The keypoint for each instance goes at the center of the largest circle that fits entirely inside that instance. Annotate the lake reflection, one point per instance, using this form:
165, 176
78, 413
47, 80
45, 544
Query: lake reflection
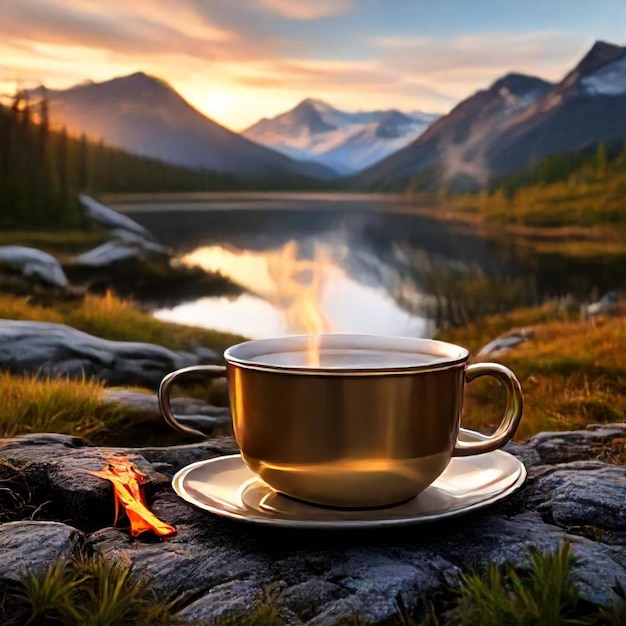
365, 264
278, 279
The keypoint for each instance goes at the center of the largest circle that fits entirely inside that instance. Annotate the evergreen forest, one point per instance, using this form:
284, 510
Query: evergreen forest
43, 169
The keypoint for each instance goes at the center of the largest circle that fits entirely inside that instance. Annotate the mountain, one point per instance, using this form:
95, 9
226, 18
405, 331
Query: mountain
515, 122
346, 142
144, 115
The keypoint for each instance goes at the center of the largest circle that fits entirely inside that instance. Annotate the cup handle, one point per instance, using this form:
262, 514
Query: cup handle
213, 371
512, 413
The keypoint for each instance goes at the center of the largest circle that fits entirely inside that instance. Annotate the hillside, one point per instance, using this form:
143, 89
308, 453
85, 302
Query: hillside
515, 122
346, 142
147, 117
43, 170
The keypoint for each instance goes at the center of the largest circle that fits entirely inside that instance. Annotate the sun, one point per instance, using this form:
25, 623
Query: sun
217, 102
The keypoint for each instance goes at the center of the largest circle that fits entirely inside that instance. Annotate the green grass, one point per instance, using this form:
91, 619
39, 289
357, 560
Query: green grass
75, 407
92, 591
542, 595
99, 592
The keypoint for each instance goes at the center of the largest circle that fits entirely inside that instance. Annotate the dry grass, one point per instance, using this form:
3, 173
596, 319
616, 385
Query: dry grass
85, 590
572, 372
111, 317
33, 405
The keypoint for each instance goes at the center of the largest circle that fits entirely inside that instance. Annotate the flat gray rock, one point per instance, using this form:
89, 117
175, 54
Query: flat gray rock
220, 568
34, 264
189, 411
111, 219
57, 350
578, 445
116, 251
109, 253
32, 546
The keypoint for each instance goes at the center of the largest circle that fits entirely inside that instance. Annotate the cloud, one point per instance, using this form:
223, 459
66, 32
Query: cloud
268, 54
308, 9
545, 53
132, 28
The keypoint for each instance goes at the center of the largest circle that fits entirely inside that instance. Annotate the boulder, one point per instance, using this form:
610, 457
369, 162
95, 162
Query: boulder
192, 412
109, 253
220, 569
136, 240
111, 219
34, 264
32, 546
505, 342
116, 251
48, 349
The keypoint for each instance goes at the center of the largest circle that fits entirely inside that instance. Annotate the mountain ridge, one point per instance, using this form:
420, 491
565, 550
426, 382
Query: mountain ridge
345, 141
144, 115
517, 120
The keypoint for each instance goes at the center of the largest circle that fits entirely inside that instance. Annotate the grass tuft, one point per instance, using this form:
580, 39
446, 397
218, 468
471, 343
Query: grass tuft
92, 591
267, 612
544, 594
30, 404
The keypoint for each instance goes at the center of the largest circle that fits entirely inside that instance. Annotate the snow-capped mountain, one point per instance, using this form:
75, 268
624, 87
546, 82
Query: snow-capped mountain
517, 120
346, 142
144, 115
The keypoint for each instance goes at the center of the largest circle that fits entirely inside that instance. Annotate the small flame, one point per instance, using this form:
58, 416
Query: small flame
299, 284
127, 481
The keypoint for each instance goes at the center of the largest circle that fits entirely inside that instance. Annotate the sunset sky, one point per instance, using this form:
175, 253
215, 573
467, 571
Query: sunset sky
239, 60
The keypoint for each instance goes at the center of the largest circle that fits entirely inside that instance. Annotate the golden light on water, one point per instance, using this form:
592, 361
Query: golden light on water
292, 284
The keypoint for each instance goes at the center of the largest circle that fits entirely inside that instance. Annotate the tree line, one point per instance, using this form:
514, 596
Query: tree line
42, 170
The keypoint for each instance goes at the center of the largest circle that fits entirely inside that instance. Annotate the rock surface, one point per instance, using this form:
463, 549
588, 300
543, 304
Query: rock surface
326, 578
58, 350
115, 251
190, 411
31, 546
34, 264
112, 219
505, 342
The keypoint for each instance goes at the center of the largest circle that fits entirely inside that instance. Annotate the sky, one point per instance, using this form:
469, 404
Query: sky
240, 60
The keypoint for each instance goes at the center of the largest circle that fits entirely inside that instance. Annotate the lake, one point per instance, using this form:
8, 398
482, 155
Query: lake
344, 263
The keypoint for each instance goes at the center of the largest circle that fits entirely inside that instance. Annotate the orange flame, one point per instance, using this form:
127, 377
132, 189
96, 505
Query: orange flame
127, 481
299, 284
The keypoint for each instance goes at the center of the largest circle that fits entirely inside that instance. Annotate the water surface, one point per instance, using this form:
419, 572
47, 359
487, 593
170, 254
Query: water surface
337, 263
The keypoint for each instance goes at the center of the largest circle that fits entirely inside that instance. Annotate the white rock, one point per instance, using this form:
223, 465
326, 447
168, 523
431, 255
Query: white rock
110, 218
607, 305
506, 342
34, 264
136, 240
108, 253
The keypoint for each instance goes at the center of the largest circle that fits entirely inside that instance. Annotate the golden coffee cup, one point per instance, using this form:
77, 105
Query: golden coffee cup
373, 423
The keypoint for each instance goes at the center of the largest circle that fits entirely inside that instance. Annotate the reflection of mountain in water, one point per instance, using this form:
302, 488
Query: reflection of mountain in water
376, 243
413, 258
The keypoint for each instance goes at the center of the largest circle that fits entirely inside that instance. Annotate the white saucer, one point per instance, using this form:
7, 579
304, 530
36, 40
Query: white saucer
225, 486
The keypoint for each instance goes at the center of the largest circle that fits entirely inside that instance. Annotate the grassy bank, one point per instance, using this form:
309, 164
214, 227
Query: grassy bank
77, 407
566, 204
572, 371
110, 317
